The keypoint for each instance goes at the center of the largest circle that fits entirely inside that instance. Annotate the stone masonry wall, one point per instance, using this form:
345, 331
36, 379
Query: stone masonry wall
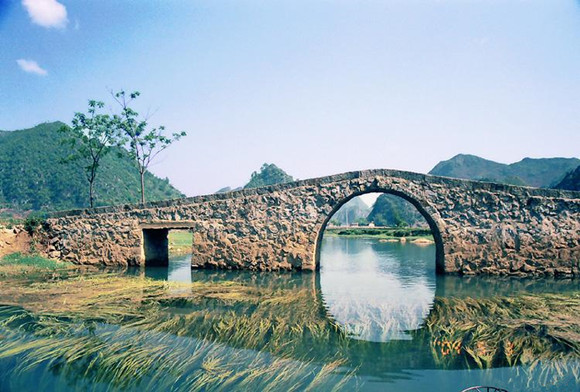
478, 227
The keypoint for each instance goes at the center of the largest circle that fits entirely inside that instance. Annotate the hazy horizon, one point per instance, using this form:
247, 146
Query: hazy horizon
317, 88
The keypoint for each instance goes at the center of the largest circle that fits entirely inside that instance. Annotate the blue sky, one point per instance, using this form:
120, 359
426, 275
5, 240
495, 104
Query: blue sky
317, 87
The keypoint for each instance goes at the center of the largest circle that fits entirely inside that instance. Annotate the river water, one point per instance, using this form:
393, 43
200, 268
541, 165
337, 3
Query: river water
376, 315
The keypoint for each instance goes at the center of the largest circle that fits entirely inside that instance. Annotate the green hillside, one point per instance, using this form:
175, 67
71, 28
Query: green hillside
269, 174
391, 210
571, 181
32, 177
542, 172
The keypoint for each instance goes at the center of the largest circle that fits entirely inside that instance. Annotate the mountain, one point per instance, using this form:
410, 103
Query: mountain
269, 174
571, 181
391, 210
32, 177
228, 189
352, 212
542, 172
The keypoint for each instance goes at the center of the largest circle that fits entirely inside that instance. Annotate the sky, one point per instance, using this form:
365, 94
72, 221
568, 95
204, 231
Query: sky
317, 87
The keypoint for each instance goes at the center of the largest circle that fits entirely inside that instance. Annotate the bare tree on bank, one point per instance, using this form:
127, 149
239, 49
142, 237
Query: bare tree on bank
142, 142
90, 138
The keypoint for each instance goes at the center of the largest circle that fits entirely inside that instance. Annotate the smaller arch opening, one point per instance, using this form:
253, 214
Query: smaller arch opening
378, 259
167, 252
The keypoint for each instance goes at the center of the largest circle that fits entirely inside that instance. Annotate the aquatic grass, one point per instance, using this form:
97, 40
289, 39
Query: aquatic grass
64, 320
505, 331
126, 357
131, 332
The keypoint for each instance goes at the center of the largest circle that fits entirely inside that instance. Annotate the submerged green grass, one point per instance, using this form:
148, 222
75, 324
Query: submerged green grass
131, 332
506, 331
163, 341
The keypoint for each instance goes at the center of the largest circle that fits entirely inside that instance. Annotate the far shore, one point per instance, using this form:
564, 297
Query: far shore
412, 235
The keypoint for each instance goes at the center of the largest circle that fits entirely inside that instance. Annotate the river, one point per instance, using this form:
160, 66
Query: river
375, 318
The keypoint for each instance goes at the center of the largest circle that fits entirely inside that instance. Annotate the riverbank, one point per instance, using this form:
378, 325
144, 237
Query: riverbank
180, 242
32, 265
418, 236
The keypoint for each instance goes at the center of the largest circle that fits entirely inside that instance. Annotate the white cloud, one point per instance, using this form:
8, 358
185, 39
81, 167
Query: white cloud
31, 66
46, 13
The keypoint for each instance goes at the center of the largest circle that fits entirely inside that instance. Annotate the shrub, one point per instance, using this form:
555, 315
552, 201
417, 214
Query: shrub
33, 222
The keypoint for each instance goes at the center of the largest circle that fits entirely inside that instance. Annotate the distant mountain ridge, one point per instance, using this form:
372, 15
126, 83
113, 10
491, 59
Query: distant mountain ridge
353, 212
269, 174
571, 181
32, 177
537, 172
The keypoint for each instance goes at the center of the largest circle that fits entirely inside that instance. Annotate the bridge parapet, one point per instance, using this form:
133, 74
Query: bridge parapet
479, 227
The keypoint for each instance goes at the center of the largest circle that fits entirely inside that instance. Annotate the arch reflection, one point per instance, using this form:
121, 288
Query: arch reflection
377, 291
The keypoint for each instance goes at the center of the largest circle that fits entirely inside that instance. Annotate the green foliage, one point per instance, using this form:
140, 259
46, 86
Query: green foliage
90, 139
142, 141
389, 232
361, 221
33, 222
542, 172
31, 177
269, 174
394, 211
571, 181
8, 222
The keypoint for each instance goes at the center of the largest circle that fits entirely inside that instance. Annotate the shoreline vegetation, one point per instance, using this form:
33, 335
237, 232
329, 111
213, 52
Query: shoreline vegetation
31, 265
413, 235
180, 242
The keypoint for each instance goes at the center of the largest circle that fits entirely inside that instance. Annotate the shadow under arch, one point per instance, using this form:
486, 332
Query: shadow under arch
436, 232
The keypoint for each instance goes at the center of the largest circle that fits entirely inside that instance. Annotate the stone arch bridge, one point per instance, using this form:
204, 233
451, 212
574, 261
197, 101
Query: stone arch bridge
478, 227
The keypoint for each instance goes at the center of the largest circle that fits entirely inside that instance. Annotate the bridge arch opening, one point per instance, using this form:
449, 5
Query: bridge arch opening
168, 245
376, 272
399, 201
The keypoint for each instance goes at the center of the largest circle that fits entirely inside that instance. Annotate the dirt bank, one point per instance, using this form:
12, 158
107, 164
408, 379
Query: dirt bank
14, 240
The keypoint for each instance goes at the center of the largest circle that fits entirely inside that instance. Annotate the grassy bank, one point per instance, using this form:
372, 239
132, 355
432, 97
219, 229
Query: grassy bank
180, 242
384, 233
19, 264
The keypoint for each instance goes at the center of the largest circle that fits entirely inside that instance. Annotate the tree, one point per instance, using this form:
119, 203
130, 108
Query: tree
142, 142
90, 138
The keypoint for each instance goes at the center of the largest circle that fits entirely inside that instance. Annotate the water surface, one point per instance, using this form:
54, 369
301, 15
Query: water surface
375, 312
